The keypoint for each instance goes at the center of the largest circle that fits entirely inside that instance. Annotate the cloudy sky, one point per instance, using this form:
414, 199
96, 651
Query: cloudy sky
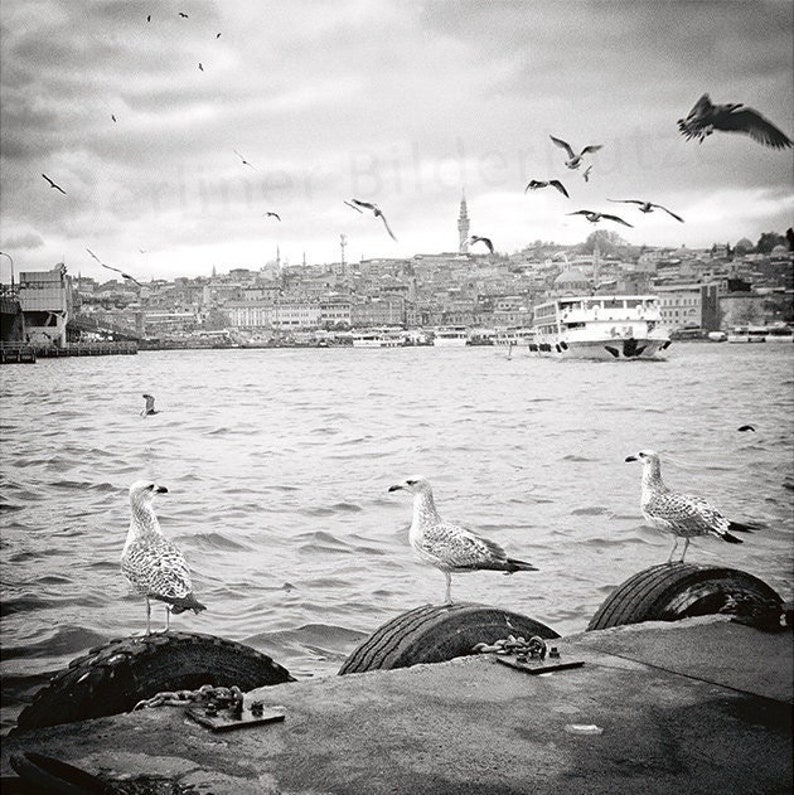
401, 102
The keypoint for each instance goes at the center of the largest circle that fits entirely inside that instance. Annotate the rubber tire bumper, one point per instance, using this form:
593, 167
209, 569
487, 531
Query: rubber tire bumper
114, 677
682, 590
436, 633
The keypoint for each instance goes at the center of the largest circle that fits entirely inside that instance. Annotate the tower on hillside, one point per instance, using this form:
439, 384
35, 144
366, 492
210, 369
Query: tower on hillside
463, 227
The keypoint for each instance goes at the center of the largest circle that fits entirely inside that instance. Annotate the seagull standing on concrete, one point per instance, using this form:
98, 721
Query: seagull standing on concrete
574, 160
448, 547
154, 566
704, 118
683, 515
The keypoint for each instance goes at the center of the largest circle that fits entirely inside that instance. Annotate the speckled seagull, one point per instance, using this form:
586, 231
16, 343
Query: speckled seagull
683, 515
574, 160
449, 547
594, 217
647, 207
154, 566
704, 118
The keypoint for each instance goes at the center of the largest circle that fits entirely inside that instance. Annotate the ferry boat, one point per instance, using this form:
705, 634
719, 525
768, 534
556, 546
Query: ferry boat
600, 327
378, 338
519, 336
748, 334
780, 333
450, 336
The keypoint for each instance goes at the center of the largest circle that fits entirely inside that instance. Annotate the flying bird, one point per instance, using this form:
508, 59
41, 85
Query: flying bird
683, 515
574, 160
378, 214
743, 428
183, 15
704, 118
648, 207
535, 184
477, 239
149, 18
113, 116
53, 185
595, 217
274, 215
201, 68
586, 174
152, 564
244, 161
149, 407
217, 35
449, 547
110, 268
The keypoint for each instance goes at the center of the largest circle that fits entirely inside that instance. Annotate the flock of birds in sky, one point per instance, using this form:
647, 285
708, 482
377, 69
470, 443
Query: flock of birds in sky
704, 119
157, 569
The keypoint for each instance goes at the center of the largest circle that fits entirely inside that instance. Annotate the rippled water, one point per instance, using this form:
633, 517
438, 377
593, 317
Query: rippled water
278, 463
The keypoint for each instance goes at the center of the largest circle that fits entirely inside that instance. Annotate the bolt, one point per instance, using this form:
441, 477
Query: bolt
554, 652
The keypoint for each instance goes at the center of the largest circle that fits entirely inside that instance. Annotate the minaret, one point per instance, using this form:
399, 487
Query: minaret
463, 226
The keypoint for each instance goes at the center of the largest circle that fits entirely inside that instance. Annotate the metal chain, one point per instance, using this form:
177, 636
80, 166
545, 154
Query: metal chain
221, 696
534, 648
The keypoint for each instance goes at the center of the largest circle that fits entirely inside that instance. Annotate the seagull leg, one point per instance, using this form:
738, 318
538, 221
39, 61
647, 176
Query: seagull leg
148, 616
672, 551
167, 618
686, 546
448, 596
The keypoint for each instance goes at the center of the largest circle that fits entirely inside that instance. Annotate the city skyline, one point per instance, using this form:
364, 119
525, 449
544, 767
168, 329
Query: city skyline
169, 169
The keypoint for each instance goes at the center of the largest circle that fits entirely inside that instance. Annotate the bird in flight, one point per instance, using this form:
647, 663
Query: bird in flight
704, 118
244, 161
53, 185
148, 17
183, 15
357, 209
449, 547
124, 275
378, 214
113, 116
201, 68
683, 515
648, 207
594, 217
535, 184
217, 35
477, 239
574, 160
268, 214
586, 174
743, 428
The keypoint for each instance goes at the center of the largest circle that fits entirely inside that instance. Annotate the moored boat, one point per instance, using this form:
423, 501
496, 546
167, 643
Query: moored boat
378, 338
747, 334
451, 336
600, 327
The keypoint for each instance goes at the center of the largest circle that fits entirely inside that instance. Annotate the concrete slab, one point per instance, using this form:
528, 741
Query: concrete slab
473, 726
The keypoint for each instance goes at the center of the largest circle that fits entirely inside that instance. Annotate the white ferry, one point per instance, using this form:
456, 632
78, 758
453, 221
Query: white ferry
378, 338
519, 336
748, 334
450, 336
780, 333
600, 327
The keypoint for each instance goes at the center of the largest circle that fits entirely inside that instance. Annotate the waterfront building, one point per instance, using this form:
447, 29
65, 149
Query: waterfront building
253, 315
46, 301
335, 312
387, 311
292, 315
689, 305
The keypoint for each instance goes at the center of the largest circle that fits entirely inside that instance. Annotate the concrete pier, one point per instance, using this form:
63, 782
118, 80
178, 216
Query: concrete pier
697, 706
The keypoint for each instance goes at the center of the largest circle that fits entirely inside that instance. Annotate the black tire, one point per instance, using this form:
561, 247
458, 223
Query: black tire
114, 677
436, 633
683, 590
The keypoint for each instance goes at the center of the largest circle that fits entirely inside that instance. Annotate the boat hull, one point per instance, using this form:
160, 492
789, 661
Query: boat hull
604, 349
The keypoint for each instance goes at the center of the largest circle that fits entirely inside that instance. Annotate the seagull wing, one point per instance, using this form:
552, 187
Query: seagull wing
560, 187
628, 201
669, 212
487, 241
563, 144
615, 218
700, 109
131, 278
385, 223
457, 548
534, 184
364, 204
581, 212
357, 209
750, 121
53, 185
592, 148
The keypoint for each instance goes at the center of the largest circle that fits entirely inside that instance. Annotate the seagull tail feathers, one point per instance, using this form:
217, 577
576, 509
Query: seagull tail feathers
514, 565
188, 602
741, 527
730, 539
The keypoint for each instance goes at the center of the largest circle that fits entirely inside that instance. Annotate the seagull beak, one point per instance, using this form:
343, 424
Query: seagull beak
396, 487
161, 490
631, 458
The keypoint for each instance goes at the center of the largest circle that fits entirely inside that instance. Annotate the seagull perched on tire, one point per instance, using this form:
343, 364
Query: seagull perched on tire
647, 207
574, 160
683, 515
535, 184
153, 565
704, 118
378, 213
447, 546
594, 217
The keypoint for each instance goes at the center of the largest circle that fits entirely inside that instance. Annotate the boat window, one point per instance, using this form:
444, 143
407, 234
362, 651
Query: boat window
631, 303
612, 303
575, 325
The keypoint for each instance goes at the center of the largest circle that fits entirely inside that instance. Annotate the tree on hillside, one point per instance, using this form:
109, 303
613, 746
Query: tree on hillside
768, 241
608, 242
